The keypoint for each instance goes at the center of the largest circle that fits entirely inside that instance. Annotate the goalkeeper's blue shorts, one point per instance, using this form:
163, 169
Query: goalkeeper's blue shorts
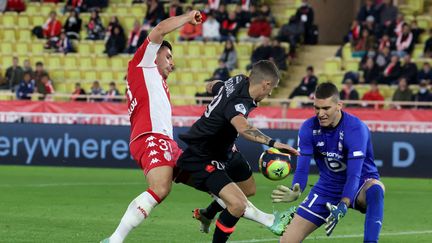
314, 209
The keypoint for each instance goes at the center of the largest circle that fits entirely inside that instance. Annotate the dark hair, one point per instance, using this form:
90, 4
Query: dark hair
166, 44
310, 68
264, 70
327, 90
39, 63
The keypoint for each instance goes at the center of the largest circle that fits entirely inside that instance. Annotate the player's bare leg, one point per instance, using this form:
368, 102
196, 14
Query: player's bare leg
297, 230
276, 222
159, 181
371, 197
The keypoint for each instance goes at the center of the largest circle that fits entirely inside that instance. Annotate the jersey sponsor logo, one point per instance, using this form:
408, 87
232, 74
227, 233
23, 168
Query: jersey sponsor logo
218, 165
357, 153
153, 153
142, 210
154, 161
132, 106
333, 155
335, 165
320, 144
240, 108
229, 87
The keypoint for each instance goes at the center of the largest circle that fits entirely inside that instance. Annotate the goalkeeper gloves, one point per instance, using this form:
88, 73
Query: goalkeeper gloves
337, 212
285, 194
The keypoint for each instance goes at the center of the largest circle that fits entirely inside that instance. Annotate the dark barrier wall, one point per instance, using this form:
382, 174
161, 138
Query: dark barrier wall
397, 154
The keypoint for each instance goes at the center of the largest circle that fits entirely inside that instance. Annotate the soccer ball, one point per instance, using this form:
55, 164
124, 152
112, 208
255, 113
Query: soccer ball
274, 164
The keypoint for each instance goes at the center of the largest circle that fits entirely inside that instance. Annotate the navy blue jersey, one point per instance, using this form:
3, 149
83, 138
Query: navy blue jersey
343, 154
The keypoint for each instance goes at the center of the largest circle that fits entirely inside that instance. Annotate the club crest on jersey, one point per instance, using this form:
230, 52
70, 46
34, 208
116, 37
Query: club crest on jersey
240, 108
167, 156
316, 132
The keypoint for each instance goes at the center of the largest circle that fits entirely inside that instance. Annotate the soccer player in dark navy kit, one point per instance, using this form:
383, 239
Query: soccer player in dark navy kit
211, 138
341, 145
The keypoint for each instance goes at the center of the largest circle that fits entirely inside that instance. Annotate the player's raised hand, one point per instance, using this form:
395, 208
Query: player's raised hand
337, 212
285, 148
285, 194
195, 17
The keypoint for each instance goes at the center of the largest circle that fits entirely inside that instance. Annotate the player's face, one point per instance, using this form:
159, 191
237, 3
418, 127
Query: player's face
267, 89
327, 111
164, 61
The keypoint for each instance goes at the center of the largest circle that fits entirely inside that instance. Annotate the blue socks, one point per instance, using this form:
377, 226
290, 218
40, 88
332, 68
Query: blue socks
374, 213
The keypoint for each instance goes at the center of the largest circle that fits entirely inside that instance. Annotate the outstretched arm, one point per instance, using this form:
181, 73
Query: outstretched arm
173, 23
253, 134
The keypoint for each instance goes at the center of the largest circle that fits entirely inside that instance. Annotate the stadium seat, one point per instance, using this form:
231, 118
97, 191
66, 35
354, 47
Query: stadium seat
418, 51
139, 11
85, 47
352, 64
58, 74
24, 35
8, 20
290, 11
336, 78
73, 75
186, 78
99, 47
242, 63
102, 63
38, 20
22, 48
9, 35
37, 58
194, 50
211, 64
172, 79
89, 76
6, 60
332, 65
70, 61
189, 90
180, 62
46, 8
297, 101
179, 51
424, 22
53, 61
37, 48
106, 76
200, 77
211, 51
174, 89
121, 10
117, 63
196, 63
6, 48
33, 8
347, 51
244, 49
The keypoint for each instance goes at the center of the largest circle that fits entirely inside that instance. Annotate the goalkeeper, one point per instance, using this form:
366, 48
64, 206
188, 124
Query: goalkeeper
341, 145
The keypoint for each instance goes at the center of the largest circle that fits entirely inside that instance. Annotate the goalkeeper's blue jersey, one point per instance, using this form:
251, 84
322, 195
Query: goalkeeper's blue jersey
333, 149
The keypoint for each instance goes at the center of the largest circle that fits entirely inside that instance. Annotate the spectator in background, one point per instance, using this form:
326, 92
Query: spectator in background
416, 31
383, 58
96, 5
399, 24
221, 73
368, 9
423, 95
155, 13
112, 93
427, 52
64, 45
242, 16
16, 5
373, 95
266, 12
116, 43
371, 27
221, 14
175, 9
307, 84
78, 92
409, 70
425, 73
384, 42
48, 88
229, 28
259, 27
354, 34
262, 52
96, 90
402, 93
136, 37
365, 43
210, 28
404, 42
3, 4
52, 27
291, 33
38, 74
14, 75
387, 15
305, 14
229, 56
392, 72
72, 26
75, 5
26, 87
370, 71
114, 22
348, 92
95, 28
278, 55
27, 68
190, 32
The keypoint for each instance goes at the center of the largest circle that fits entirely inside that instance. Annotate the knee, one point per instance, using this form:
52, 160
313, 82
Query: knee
161, 190
250, 192
237, 207
375, 193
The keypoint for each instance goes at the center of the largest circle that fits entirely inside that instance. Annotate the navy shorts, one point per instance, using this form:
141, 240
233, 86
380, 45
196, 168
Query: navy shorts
313, 208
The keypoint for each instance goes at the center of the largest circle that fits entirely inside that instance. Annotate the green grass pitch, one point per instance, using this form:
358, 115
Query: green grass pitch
44, 204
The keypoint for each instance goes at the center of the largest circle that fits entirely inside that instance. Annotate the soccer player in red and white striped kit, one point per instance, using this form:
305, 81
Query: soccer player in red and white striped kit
151, 140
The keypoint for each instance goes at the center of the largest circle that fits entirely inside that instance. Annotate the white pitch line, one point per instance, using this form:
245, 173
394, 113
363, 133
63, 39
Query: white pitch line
73, 184
340, 236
